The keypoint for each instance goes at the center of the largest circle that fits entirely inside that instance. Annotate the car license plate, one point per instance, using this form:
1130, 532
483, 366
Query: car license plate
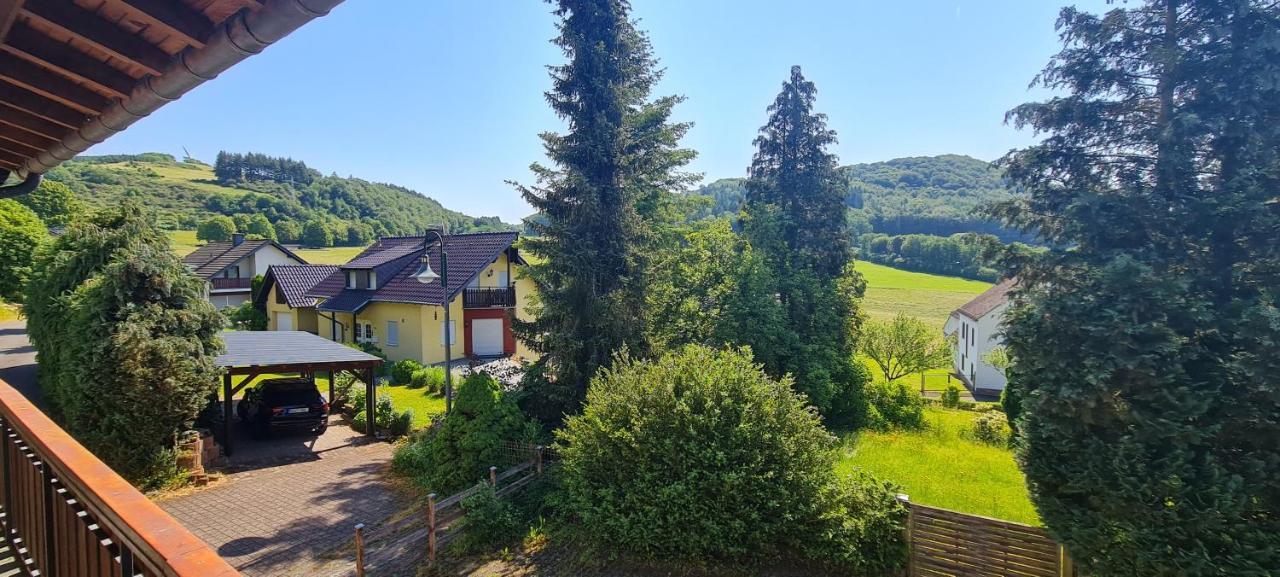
298, 410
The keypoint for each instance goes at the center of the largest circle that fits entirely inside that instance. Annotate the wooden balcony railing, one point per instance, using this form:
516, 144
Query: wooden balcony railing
67, 514
231, 283
487, 298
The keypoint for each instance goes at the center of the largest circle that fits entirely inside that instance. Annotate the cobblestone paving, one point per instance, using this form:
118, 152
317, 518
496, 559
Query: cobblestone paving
290, 506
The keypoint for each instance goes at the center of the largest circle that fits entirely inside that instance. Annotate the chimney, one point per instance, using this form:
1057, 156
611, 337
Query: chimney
237, 238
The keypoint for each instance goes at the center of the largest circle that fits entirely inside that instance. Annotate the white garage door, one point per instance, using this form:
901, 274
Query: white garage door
284, 321
486, 337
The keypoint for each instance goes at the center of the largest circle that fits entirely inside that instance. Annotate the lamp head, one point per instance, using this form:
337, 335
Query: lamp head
425, 275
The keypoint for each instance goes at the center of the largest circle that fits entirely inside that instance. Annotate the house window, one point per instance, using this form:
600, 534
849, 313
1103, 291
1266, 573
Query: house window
359, 279
453, 333
368, 332
393, 333
373, 280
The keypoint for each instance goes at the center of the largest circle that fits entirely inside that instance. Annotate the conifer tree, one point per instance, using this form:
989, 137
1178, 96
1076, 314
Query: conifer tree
795, 216
611, 169
1146, 341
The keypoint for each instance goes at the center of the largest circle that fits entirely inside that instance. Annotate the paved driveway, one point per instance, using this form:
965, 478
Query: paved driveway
18, 360
289, 506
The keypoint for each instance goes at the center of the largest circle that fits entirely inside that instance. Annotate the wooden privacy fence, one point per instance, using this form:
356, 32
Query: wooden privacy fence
444, 515
67, 514
951, 544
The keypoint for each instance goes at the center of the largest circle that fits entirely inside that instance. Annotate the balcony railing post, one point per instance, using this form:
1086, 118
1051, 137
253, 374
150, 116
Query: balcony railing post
50, 546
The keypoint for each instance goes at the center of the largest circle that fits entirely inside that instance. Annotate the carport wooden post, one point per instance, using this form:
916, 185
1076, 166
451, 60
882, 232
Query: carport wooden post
370, 399
331, 371
226, 413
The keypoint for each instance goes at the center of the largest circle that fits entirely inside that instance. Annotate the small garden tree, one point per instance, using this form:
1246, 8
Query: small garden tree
125, 340
651, 463
216, 229
20, 233
904, 346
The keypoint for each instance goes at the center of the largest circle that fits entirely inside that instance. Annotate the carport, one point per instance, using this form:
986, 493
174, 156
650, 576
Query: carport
253, 353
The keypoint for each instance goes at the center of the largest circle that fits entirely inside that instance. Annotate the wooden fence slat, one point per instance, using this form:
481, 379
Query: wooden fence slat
952, 544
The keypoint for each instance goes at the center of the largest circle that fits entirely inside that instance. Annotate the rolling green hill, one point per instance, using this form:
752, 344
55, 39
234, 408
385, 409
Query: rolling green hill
184, 193
936, 195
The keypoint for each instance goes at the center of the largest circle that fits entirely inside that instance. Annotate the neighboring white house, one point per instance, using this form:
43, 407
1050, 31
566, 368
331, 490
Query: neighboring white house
976, 327
228, 267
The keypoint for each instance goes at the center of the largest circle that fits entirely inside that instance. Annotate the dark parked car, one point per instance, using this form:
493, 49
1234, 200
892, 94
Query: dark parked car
283, 405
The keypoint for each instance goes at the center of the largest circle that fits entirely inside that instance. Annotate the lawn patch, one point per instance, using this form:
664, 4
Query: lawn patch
943, 466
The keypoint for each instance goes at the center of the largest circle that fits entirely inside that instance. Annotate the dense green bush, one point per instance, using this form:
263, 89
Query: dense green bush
402, 371
951, 397
216, 228
992, 428
894, 405
429, 378
859, 526
21, 232
359, 422
700, 455
247, 317
462, 446
126, 340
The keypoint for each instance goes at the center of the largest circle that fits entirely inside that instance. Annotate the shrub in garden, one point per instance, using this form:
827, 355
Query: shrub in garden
951, 397
859, 526
463, 445
701, 455
992, 428
429, 378
402, 371
490, 521
126, 340
359, 421
894, 405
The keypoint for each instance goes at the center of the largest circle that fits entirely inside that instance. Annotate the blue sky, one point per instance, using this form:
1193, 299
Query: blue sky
445, 96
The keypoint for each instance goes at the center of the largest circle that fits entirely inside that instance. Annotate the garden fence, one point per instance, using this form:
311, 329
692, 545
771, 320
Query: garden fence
444, 516
952, 544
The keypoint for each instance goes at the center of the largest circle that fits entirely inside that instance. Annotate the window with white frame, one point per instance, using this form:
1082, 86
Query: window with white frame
453, 333
393, 333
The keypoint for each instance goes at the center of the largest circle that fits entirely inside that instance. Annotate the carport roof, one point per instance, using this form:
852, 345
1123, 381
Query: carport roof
288, 351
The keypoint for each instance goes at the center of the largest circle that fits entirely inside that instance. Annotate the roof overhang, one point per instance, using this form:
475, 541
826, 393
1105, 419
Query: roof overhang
75, 72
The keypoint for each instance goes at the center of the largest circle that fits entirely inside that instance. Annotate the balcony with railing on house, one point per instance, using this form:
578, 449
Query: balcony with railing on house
224, 284
66, 513
489, 298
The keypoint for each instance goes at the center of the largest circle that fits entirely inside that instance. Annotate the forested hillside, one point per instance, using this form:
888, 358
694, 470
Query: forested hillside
289, 194
935, 195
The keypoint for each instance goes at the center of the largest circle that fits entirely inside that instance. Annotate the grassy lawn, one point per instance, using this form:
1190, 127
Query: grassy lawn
424, 405
939, 466
184, 242
930, 297
9, 312
331, 255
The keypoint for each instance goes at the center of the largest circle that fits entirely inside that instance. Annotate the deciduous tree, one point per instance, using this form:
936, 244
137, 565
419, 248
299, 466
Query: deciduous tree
53, 202
904, 346
21, 232
217, 228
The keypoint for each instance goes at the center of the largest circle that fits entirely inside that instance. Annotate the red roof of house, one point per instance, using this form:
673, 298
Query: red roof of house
988, 300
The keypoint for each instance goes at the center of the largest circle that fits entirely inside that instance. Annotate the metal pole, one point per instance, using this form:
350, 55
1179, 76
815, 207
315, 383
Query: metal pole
448, 333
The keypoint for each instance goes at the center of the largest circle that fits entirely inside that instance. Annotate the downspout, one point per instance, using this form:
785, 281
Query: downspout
239, 37
24, 187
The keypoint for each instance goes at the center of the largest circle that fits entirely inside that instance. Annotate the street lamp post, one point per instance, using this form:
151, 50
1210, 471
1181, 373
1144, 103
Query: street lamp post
426, 276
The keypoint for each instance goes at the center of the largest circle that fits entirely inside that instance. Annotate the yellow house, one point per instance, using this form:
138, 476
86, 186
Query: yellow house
375, 299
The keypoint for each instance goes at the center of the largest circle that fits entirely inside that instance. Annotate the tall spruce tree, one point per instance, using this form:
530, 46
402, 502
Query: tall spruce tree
619, 158
795, 216
1146, 342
